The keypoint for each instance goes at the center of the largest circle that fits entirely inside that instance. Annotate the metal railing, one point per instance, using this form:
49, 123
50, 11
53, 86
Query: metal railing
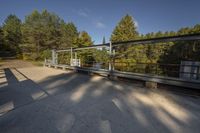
155, 69
161, 73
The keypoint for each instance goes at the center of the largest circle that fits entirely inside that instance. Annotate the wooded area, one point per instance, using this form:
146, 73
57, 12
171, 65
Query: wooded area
42, 31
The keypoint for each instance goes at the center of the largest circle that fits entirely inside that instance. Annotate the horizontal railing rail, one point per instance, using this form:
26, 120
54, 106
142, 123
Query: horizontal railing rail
137, 76
173, 74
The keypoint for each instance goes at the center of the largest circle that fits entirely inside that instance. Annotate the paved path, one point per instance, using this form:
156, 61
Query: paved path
45, 100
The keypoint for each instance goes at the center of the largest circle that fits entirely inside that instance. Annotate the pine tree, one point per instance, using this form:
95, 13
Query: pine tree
125, 30
69, 35
41, 31
1, 39
84, 39
12, 33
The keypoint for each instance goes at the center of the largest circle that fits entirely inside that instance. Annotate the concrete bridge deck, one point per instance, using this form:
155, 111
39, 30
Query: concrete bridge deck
45, 100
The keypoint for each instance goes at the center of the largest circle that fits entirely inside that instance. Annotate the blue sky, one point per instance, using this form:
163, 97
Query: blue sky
99, 17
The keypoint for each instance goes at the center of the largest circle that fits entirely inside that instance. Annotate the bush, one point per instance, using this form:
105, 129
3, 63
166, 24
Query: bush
26, 56
35, 57
45, 54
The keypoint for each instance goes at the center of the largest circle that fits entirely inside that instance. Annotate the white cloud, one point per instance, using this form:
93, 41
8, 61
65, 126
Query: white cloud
100, 25
82, 13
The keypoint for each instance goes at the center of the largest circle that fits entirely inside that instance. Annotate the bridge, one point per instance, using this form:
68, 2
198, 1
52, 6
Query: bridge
45, 99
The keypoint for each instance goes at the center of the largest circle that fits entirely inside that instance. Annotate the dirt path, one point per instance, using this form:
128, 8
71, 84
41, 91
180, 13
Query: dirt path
45, 100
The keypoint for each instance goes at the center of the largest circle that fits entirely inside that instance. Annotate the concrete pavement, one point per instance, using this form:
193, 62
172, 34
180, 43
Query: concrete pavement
45, 100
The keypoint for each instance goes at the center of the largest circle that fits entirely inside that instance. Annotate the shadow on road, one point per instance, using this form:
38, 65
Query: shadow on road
77, 103
18, 93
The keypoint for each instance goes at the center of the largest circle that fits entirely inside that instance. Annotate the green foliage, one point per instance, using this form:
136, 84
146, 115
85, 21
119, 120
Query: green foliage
64, 58
46, 54
171, 52
41, 31
1, 39
12, 33
101, 55
182, 50
125, 30
84, 39
75, 39
86, 56
69, 35
27, 56
137, 53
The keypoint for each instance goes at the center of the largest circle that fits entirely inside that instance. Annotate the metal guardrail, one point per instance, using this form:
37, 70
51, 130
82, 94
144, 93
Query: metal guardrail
189, 37
144, 77
158, 69
195, 84
87, 47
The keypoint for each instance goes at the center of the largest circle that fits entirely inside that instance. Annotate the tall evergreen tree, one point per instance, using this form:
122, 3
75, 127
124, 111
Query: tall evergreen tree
69, 35
1, 39
12, 32
41, 31
84, 39
125, 30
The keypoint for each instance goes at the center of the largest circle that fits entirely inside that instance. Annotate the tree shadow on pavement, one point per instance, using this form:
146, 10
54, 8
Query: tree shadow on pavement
82, 103
18, 93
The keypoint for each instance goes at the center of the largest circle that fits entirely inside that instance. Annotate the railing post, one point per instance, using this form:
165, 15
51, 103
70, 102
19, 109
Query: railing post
56, 58
53, 56
71, 60
110, 53
75, 54
113, 60
45, 62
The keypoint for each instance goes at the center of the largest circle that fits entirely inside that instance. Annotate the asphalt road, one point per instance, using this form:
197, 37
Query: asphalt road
45, 100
